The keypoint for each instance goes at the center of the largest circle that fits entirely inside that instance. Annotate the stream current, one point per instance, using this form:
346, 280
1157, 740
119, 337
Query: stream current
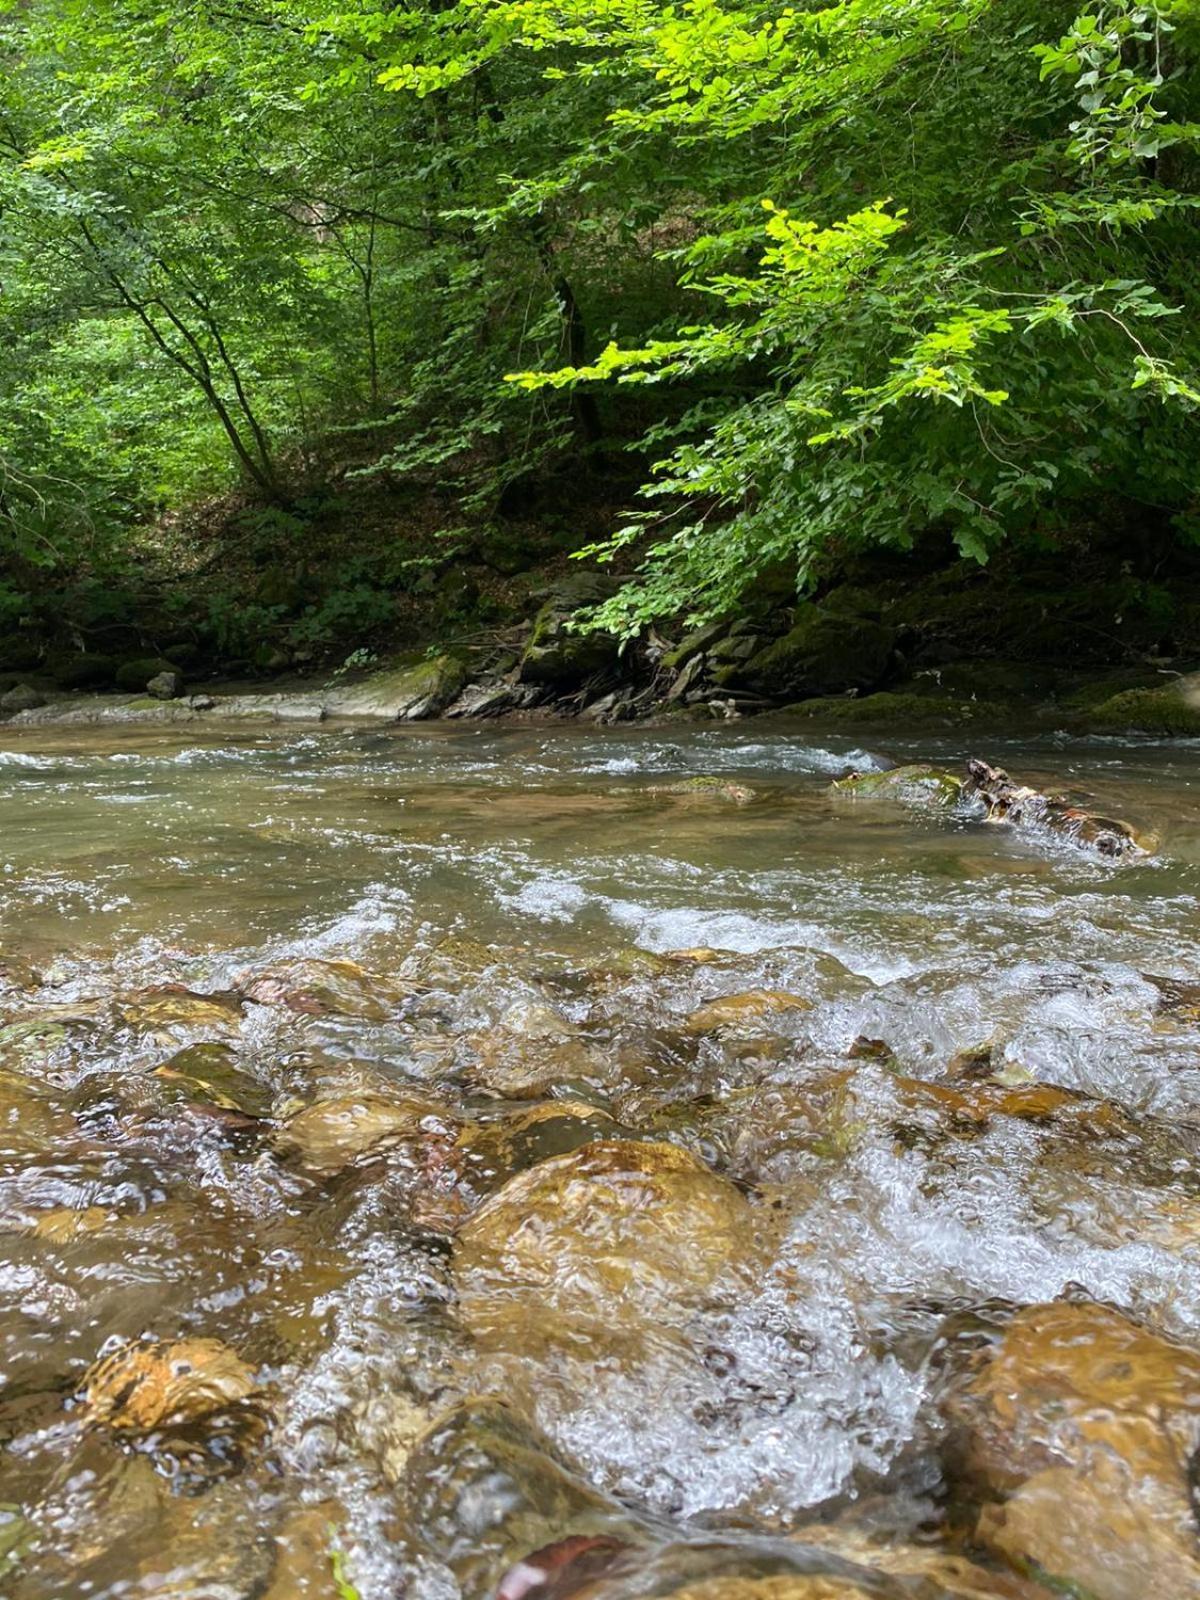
495, 1137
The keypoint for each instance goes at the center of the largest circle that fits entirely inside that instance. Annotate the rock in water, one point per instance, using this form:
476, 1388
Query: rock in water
318, 988
912, 785
336, 1133
745, 1009
405, 694
141, 1387
192, 1405
1077, 1437
989, 792
483, 1488
602, 1248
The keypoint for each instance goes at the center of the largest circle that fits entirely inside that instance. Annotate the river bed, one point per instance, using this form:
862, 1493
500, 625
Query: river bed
421, 1148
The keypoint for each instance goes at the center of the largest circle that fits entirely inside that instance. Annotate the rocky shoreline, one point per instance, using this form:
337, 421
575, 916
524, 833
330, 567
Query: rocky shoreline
832, 665
446, 686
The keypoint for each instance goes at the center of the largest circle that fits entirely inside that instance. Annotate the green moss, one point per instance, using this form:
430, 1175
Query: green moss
821, 653
83, 671
912, 785
559, 658
135, 675
1091, 692
1160, 711
902, 710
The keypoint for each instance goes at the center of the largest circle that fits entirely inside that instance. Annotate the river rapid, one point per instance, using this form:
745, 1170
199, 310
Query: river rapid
451, 1161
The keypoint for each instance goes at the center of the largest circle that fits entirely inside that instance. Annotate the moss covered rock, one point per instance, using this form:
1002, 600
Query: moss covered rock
1172, 711
404, 694
558, 656
134, 675
822, 653
912, 785
895, 710
84, 670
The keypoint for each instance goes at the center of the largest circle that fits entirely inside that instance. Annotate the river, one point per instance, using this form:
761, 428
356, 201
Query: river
496, 1138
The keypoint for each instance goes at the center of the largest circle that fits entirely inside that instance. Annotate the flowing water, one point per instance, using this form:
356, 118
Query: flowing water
391, 1063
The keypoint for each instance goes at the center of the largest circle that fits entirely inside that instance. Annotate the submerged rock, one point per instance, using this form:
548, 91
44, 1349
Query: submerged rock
142, 1387
1176, 998
599, 1248
830, 1566
749, 1007
208, 1072
304, 1566
192, 1406
533, 1050
17, 1535
318, 988
488, 1153
916, 785
334, 1133
1077, 1436
168, 1011
483, 1489
706, 787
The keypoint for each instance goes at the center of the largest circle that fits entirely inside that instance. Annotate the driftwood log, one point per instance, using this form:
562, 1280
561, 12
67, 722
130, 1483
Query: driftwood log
1006, 801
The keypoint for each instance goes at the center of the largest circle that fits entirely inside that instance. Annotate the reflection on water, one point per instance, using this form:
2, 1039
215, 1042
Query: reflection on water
478, 1160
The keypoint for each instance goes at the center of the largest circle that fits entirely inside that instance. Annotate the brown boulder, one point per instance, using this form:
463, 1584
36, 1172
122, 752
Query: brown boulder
320, 988
335, 1133
735, 1010
1078, 1436
598, 1247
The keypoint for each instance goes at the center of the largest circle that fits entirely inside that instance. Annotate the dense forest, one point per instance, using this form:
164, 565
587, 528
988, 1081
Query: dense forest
302, 307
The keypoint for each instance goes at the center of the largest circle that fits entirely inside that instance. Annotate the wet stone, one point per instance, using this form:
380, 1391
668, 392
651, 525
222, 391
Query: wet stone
208, 1072
706, 788
321, 988
746, 1009
193, 1407
532, 1050
338, 1132
141, 1387
605, 1247
914, 785
483, 1489
1076, 1432
171, 1011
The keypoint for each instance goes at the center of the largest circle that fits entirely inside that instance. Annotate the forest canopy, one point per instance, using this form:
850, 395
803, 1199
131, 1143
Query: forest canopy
818, 277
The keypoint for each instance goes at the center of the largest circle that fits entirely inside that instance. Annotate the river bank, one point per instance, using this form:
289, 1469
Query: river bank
1087, 633
1155, 702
